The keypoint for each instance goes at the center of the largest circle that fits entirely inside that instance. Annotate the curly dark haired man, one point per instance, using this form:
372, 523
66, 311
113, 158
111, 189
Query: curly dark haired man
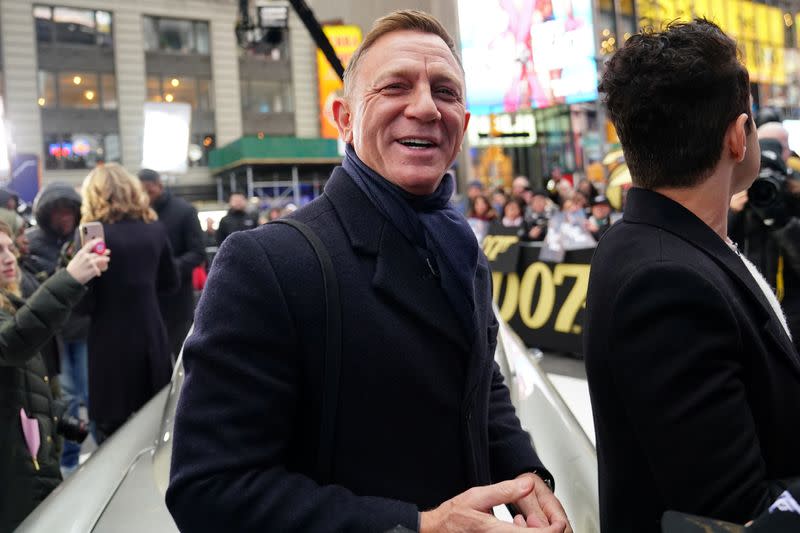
694, 379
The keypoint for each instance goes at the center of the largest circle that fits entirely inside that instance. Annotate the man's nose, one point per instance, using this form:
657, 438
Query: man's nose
422, 105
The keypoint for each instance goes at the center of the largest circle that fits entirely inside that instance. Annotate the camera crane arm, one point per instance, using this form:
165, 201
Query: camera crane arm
309, 21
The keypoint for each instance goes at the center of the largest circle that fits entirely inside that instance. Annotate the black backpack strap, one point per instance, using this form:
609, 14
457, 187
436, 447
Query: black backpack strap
333, 349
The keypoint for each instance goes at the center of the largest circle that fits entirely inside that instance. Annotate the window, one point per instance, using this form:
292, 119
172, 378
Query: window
73, 26
199, 147
108, 84
47, 89
266, 96
80, 150
176, 36
77, 90
180, 89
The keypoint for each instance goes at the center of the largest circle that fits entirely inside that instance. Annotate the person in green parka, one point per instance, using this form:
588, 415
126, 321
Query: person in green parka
29, 474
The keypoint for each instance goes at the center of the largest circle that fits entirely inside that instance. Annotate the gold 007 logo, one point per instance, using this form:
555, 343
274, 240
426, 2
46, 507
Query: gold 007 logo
518, 295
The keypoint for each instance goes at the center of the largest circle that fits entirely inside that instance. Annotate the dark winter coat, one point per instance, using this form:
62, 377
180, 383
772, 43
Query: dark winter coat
422, 414
24, 384
695, 384
180, 220
46, 244
128, 355
235, 221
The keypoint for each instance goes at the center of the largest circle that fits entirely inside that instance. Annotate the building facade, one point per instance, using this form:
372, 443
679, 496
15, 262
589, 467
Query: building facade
76, 73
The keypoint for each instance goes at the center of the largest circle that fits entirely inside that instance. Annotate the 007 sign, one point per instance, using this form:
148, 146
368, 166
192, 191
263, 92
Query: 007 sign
533, 298
544, 302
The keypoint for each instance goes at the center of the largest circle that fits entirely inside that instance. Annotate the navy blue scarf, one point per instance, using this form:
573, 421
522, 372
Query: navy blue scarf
433, 226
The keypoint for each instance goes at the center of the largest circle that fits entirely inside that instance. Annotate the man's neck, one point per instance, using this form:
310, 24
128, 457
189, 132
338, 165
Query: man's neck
709, 201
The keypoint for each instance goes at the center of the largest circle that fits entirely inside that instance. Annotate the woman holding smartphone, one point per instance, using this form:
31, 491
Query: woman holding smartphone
129, 359
29, 458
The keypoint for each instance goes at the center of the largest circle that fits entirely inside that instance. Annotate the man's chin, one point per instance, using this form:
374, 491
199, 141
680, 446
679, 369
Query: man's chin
415, 183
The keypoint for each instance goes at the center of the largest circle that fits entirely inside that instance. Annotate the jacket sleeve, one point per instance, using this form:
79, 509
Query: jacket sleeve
24, 334
682, 388
238, 412
195, 252
168, 281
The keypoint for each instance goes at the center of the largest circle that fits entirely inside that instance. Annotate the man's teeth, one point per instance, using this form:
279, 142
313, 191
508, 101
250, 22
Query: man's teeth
416, 143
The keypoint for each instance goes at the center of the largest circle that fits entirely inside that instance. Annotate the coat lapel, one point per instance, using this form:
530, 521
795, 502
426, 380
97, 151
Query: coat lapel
649, 207
401, 275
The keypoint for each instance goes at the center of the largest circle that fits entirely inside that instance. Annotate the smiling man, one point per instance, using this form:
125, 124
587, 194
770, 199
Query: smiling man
424, 433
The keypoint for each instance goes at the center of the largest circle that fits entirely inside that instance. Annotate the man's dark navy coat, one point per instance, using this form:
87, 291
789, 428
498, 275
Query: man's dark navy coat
422, 415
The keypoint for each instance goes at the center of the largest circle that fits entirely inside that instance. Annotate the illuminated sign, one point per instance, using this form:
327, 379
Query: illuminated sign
166, 136
504, 129
345, 40
521, 55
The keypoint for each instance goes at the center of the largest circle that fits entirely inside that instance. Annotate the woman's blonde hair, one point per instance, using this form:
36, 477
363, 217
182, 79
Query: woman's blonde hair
110, 194
13, 287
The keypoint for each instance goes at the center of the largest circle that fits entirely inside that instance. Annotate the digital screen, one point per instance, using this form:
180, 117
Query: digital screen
60, 149
527, 54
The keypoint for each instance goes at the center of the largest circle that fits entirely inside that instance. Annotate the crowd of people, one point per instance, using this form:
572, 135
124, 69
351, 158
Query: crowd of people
531, 211
107, 347
693, 373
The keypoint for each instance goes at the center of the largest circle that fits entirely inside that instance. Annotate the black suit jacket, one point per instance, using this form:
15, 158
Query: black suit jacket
694, 383
422, 415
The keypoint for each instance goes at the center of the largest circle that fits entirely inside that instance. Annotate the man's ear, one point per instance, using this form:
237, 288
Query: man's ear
343, 118
736, 138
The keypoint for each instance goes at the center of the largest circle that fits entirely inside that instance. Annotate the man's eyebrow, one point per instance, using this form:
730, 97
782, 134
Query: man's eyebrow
436, 75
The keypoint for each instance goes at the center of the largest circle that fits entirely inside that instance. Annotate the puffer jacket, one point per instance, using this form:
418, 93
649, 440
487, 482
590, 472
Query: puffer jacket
46, 244
24, 384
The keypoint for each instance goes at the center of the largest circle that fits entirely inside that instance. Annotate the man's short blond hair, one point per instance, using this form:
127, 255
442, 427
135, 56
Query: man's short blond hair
403, 20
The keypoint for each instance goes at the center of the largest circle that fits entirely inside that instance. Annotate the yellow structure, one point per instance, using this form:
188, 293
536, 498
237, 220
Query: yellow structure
758, 28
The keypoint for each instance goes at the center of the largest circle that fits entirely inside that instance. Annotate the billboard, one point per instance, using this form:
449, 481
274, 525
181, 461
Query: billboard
345, 40
521, 54
166, 136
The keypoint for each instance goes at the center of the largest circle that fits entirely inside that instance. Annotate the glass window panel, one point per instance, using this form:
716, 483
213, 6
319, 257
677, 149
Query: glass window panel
205, 96
154, 89
78, 89
44, 26
112, 151
74, 25
151, 34
180, 89
288, 100
103, 19
52, 151
81, 150
47, 89
201, 36
268, 97
176, 35
42, 12
108, 84
199, 146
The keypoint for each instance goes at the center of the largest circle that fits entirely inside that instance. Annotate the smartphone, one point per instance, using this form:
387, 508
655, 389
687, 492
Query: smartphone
93, 230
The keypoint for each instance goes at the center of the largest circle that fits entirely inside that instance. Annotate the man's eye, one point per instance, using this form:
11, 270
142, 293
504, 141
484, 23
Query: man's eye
446, 91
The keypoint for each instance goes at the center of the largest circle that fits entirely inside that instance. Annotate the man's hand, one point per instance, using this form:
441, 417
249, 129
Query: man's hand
471, 510
540, 505
535, 232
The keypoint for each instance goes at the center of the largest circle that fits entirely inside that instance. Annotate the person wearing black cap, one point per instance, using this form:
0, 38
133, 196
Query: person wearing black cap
537, 216
600, 220
186, 238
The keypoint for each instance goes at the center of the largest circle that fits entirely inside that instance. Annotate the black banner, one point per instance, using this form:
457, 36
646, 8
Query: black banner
542, 302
